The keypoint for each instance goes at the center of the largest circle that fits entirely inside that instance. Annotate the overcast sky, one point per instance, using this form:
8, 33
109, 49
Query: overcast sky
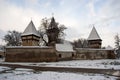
77, 15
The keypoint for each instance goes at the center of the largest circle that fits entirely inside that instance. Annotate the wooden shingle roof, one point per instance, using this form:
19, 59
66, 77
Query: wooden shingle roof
30, 30
94, 35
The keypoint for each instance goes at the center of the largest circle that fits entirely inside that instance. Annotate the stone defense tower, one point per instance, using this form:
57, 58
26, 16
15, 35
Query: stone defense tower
52, 32
30, 37
94, 40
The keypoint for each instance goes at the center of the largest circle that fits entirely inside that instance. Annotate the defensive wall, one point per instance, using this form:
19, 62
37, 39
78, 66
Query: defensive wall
30, 54
89, 53
49, 54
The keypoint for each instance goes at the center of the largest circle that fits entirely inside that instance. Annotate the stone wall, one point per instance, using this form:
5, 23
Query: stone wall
86, 53
30, 54
49, 54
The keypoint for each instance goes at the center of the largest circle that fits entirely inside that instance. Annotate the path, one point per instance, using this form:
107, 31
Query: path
65, 69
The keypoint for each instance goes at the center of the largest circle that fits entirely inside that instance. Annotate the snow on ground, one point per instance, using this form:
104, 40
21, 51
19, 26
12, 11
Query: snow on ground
102, 64
4, 68
29, 74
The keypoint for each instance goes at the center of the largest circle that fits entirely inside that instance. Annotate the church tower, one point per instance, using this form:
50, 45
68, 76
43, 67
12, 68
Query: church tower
30, 36
52, 32
94, 40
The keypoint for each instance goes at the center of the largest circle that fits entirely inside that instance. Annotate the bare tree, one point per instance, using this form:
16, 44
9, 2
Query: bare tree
43, 29
117, 44
75, 44
80, 43
45, 23
61, 31
85, 43
13, 38
117, 41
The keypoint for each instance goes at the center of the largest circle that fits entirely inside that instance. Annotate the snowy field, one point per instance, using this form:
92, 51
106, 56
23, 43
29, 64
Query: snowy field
102, 64
7, 73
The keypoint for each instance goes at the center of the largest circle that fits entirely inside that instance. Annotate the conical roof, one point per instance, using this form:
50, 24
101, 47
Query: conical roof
94, 35
30, 30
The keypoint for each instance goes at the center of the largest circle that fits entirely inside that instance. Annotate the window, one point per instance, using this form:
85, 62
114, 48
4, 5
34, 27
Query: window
60, 55
72, 54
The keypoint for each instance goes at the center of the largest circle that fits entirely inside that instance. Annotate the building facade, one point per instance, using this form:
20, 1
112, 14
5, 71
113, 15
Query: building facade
65, 50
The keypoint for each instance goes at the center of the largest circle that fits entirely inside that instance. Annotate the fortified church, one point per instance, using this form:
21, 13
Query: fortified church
30, 51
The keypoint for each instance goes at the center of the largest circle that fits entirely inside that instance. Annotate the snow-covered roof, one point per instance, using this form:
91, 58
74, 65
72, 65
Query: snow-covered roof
109, 47
30, 30
94, 35
66, 46
28, 47
99, 49
1, 51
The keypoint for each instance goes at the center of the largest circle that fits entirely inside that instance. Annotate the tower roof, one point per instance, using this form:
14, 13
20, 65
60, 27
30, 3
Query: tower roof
94, 35
30, 30
52, 24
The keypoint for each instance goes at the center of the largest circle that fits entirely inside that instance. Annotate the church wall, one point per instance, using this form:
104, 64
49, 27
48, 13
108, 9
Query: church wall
30, 54
87, 53
65, 55
49, 54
